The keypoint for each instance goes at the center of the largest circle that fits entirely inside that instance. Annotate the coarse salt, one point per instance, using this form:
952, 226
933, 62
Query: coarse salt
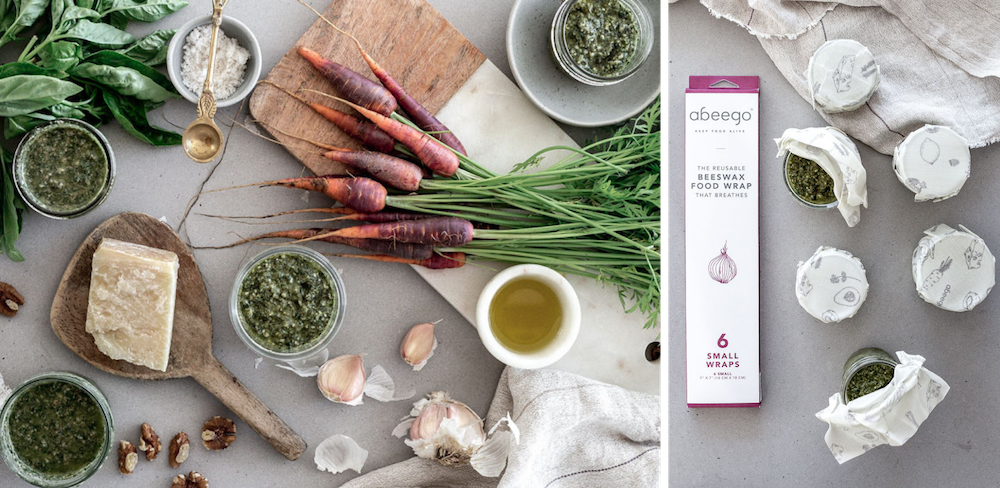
230, 62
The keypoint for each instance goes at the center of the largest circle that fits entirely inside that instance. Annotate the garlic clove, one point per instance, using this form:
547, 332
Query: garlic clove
342, 379
445, 430
418, 345
381, 387
338, 453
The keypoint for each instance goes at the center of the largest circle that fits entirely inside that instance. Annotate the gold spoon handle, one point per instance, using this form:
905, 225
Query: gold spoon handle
206, 102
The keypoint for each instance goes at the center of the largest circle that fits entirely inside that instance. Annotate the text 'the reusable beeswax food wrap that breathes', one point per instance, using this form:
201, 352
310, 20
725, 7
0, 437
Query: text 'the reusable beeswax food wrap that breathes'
953, 269
842, 75
722, 241
933, 162
839, 157
831, 285
890, 415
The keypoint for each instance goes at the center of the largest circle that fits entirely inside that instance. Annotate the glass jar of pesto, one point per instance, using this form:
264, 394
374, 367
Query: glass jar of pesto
809, 183
64, 168
601, 42
867, 370
287, 303
56, 409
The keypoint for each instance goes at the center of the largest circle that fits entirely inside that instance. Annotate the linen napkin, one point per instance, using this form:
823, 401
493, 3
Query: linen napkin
938, 60
839, 157
887, 416
574, 432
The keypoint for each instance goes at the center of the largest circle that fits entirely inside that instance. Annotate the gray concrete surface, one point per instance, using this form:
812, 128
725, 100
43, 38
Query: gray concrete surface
781, 443
383, 299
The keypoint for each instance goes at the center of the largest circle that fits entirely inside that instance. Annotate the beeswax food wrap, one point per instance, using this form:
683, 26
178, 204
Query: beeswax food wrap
842, 76
953, 269
938, 60
837, 155
891, 415
933, 162
831, 285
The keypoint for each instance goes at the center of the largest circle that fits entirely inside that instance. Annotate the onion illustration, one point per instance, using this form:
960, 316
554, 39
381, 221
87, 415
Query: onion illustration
722, 268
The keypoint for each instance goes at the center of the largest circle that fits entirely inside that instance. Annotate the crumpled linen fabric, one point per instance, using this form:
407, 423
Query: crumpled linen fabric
575, 432
940, 61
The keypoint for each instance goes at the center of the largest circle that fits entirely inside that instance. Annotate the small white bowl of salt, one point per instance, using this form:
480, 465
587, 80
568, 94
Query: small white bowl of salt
237, 60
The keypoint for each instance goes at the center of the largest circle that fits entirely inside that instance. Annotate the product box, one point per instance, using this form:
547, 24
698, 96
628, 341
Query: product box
722, 246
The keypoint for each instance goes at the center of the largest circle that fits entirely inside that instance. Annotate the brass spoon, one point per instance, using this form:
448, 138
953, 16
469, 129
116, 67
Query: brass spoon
202, 140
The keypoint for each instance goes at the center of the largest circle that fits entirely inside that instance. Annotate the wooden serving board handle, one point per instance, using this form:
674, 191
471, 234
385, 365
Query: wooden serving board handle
221, 383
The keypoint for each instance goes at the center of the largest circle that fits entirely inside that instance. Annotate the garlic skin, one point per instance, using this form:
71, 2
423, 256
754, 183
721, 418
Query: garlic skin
418, 345
338, 453
342, 379
443, 429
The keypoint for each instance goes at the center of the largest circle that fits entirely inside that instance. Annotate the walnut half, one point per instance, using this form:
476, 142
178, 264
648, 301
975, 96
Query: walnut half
194, 479
127, 457
10, 300
180, 447
218, 433
149, 442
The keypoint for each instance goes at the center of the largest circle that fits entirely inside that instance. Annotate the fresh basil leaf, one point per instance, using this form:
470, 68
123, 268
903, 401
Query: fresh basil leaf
20, 124
100, 34
131, 114
118, 20
117, 59
25, 68
86, 3
61, 55
28, 11
146, 11
10, 211
152, 49
124, 80
66, 111
21, 94
74, 12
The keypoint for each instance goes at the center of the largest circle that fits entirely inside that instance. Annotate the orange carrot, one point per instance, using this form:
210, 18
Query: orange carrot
395, 172
420, 115
431, 153
362, 130
438, 231
437, 261
352, 85
399, 250
360, 194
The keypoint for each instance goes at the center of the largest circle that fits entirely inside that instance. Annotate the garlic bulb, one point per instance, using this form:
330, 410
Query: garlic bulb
451, 433
342, 379
418, 345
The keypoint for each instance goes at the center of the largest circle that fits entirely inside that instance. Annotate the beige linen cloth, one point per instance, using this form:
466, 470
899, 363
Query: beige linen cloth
575, 432
940, 60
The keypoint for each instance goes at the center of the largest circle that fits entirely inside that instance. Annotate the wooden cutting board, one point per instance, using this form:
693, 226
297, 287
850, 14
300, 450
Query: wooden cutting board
408, 38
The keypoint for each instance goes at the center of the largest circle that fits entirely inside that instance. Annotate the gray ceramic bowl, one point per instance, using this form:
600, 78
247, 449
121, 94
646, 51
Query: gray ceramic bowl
233, 29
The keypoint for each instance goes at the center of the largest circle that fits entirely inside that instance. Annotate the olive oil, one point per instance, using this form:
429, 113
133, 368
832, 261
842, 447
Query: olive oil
525, 315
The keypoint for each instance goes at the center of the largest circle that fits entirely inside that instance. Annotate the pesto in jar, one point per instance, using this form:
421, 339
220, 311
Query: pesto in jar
56, 428
602, 36
809, 181
286, 302
64, 168
869, 379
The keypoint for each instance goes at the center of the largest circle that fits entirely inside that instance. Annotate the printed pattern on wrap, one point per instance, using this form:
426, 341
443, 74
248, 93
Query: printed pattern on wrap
833, 151
891, 415
953, 269
842, 76
831, 285
933, 162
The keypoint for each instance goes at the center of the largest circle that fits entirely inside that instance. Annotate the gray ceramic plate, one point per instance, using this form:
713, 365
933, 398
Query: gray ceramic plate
562, 97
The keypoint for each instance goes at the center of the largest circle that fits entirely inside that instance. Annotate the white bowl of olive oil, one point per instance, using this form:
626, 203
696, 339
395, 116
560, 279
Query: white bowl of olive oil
528, 316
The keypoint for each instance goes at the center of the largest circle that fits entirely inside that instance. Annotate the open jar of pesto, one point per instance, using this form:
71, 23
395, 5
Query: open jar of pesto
809, 183
56, 409
867, 370
287, 303
64, 168
601, 42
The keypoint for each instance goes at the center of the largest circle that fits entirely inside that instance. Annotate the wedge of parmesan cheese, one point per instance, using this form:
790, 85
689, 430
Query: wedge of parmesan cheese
131, 307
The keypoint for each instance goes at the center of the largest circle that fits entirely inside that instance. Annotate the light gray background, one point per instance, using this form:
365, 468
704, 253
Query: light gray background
383, 300
781, 443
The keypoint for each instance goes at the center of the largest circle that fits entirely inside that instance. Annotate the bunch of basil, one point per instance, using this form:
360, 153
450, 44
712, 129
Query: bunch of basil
79, 63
